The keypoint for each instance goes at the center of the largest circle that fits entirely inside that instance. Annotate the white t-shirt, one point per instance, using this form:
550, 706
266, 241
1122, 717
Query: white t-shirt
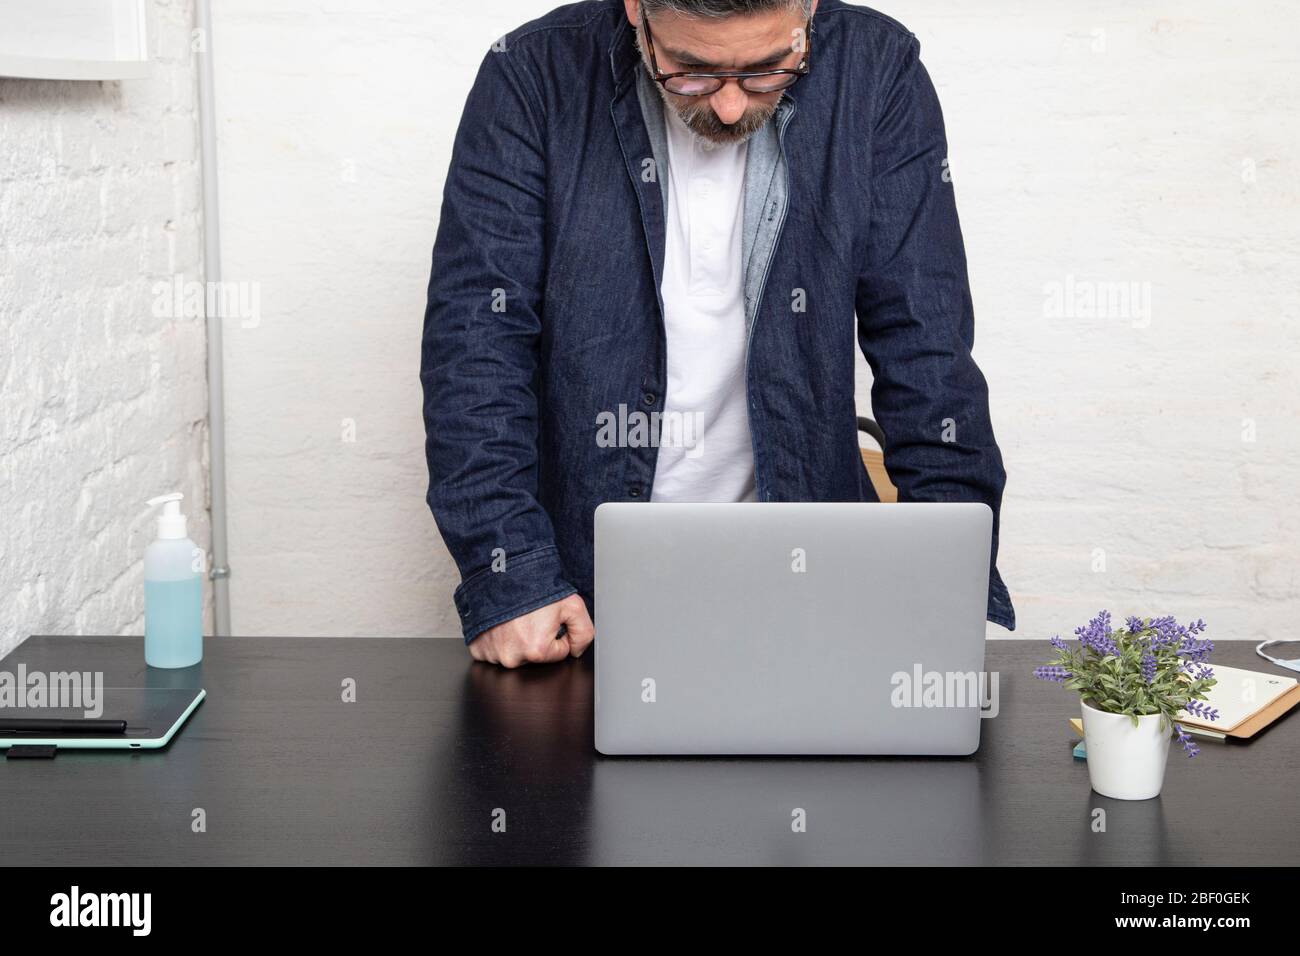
705, 452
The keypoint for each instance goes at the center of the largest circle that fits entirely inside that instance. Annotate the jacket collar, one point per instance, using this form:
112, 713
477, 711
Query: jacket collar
637, 112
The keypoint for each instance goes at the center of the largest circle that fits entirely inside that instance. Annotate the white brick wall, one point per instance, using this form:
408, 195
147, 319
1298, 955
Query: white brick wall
1105, 142
1148, 142
104, 405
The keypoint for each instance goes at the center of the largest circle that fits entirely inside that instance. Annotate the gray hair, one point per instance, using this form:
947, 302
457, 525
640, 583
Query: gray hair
717, 9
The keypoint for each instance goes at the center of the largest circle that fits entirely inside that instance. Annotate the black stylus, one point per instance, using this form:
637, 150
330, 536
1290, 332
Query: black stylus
61, 725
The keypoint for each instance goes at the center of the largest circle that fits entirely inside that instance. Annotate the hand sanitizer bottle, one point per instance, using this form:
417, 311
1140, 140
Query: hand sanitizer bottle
173, 592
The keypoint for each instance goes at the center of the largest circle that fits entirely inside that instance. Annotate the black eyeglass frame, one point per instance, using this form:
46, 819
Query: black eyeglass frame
662, 78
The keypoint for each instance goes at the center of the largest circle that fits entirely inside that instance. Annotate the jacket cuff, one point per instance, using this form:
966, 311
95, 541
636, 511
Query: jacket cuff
526, 582
1000, 610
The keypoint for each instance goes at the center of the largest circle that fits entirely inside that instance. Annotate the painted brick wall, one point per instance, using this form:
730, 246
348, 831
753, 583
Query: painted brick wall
1152, 450
104, 402
1152, 443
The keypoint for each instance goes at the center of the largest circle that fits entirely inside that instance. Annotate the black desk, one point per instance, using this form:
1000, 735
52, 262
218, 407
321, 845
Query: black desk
411, 773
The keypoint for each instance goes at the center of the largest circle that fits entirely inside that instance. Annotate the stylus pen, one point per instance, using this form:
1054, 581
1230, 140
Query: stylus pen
61, 725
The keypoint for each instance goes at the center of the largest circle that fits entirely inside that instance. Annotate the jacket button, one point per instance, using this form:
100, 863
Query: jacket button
634, 491
648, 399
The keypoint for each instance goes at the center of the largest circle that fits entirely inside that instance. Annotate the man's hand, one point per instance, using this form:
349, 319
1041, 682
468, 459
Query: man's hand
532, 638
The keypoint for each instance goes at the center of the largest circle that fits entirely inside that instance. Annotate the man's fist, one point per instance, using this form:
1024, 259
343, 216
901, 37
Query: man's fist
535, 637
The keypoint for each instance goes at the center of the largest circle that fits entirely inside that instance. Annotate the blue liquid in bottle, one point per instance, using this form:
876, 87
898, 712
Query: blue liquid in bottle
173, 622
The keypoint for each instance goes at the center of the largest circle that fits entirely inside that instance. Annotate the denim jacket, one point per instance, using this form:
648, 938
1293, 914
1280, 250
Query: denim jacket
544, 307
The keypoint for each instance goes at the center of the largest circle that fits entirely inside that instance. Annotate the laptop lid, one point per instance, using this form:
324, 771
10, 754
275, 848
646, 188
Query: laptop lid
790, 628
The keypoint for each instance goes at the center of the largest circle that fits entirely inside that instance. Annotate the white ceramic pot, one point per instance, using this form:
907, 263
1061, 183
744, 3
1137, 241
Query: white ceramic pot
1125, 762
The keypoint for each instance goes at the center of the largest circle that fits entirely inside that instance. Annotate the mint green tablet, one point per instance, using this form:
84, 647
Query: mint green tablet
152, 715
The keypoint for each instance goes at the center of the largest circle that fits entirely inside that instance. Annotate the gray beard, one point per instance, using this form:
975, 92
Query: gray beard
703, 122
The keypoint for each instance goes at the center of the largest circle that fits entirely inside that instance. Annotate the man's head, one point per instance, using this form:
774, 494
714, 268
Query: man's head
715, 36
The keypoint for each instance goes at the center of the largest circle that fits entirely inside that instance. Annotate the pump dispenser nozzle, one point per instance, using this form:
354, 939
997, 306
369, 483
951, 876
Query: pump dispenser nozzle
171, 523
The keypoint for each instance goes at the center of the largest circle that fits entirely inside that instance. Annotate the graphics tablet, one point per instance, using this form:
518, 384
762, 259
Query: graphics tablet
152, 715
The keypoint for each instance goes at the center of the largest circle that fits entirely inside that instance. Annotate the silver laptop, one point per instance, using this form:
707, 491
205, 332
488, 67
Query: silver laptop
800, 628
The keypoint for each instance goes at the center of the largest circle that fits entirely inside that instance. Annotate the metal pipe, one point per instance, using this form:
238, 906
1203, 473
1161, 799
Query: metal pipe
220, 570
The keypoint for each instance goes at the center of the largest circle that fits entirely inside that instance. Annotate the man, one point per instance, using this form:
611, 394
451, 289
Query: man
660, 221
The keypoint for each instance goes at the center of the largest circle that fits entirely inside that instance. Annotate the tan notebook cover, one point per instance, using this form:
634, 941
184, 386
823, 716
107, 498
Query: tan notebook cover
1254, 724
1247, 701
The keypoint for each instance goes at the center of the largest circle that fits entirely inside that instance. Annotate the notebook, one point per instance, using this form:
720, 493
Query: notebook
1247, 701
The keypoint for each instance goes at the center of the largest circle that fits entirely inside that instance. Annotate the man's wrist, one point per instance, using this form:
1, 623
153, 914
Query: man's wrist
520, 584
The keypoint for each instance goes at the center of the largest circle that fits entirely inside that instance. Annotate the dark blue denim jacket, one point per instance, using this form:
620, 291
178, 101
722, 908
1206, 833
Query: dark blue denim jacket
544, 308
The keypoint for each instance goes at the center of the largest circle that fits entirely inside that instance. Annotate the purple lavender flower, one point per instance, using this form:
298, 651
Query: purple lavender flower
1052, 672
1194, 650
1135, 625
1057, 643
1097, 635
1198, 709
1185, 739
1148, 667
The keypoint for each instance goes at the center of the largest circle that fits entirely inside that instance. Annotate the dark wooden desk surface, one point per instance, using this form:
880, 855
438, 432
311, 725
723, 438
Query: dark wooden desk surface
411, 773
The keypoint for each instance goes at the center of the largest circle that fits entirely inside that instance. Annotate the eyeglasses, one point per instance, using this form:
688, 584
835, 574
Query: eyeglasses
705, 84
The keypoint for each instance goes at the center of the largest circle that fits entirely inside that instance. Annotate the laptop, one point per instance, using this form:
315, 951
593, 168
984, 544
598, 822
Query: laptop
790, 628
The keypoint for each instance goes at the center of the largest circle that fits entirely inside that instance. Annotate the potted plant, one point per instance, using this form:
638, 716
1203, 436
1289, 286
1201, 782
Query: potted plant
1132, 683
